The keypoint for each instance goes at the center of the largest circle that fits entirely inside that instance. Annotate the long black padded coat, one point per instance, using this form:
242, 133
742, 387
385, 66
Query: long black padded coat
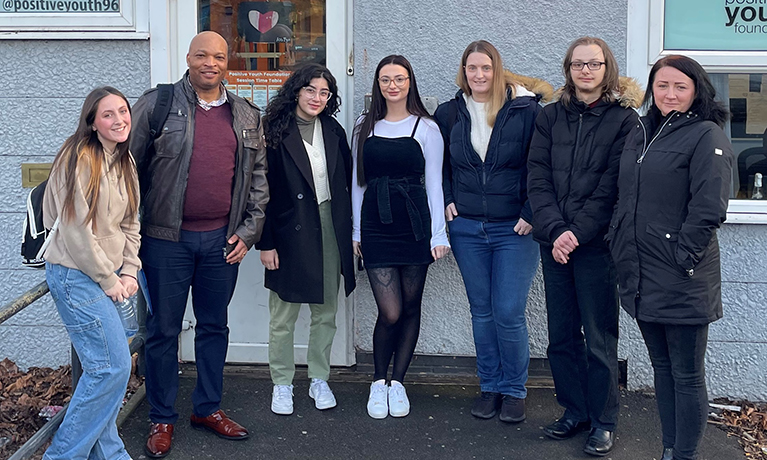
674, 185
292, 225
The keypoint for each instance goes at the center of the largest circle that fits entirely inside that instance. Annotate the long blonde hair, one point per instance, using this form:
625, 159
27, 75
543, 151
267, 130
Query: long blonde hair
83, 149
501, 83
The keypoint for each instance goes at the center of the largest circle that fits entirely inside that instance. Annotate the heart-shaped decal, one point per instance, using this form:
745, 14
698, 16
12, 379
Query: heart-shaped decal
263, 22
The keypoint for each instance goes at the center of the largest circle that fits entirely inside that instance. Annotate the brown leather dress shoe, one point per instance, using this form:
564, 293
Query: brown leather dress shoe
221, 425
159, 441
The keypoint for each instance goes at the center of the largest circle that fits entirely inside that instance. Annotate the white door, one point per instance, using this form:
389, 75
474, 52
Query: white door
265, 38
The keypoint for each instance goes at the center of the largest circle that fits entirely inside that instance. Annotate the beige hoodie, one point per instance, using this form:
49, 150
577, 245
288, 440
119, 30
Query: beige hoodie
115, 241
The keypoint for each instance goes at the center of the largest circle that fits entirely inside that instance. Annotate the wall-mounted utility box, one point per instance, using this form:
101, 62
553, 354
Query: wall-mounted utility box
34, 173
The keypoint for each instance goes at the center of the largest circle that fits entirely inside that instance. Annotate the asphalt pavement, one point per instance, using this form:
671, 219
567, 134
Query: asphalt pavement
439, 426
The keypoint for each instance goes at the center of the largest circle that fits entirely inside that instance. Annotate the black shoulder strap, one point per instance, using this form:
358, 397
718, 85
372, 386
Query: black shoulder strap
161, 110
415, 127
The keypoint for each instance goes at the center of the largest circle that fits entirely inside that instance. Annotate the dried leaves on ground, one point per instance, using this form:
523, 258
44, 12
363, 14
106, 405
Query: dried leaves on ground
749, 425
23, 395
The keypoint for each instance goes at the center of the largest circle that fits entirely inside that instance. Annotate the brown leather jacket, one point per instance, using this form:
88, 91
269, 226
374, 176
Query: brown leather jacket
163, 173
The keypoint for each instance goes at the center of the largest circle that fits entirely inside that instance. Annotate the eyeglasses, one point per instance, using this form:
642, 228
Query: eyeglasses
311, 91
399, 80
592, 65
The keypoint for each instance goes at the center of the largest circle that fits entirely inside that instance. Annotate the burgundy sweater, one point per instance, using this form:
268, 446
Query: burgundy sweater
211, 172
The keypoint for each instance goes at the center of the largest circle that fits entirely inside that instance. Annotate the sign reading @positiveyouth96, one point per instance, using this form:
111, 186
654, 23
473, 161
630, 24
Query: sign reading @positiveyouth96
59, 6
715, 25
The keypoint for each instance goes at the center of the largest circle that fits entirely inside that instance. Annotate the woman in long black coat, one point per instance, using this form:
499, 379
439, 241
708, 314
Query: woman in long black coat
307, 240
673, 188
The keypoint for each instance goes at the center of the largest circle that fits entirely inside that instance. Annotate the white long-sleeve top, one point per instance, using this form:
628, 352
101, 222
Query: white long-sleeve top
429, 138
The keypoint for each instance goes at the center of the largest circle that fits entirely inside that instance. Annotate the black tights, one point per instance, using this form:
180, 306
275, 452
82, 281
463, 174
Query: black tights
398, 292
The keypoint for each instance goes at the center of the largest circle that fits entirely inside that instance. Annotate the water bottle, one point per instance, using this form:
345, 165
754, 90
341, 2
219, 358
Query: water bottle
128, 315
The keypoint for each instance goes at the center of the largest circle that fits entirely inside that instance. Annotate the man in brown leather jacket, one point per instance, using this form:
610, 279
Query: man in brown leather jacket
203, 196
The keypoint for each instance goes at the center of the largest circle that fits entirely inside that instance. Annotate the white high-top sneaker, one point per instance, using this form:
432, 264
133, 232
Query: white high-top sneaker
399, 405
320, 392
377, 406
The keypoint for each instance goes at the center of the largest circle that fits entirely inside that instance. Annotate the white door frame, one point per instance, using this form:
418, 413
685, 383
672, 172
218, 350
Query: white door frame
172, 25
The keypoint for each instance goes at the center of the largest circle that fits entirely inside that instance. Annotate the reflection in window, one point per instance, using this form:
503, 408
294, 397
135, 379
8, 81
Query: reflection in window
746, 95
267, 39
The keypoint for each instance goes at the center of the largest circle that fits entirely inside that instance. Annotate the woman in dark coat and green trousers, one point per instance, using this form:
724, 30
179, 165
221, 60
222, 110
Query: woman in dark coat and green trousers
307, 240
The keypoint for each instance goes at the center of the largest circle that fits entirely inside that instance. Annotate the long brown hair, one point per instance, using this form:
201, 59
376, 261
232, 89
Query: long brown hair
609, 86
83, 149
501, 83
378, 107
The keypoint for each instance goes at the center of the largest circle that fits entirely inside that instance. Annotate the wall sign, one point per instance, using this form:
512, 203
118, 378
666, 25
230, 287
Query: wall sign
67, 19
715, 25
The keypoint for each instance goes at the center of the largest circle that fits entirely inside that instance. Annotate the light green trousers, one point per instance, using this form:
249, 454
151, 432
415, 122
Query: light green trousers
283, 316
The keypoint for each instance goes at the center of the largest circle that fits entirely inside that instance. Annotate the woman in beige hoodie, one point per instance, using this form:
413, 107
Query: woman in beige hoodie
92, 261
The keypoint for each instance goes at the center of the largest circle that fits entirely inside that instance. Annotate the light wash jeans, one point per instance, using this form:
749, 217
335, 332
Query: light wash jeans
89, 430
497, 266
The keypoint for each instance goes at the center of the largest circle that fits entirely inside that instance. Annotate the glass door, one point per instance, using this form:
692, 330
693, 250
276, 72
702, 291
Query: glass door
267, 40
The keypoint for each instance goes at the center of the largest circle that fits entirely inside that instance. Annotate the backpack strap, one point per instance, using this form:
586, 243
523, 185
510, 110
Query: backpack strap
160, 111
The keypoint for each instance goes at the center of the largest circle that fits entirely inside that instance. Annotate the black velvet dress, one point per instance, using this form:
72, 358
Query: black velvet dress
395, 227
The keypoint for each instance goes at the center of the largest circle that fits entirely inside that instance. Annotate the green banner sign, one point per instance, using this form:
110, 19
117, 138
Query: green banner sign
715, 25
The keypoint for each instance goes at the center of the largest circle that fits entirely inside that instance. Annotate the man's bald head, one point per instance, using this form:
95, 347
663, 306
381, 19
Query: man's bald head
207, 38
208, 60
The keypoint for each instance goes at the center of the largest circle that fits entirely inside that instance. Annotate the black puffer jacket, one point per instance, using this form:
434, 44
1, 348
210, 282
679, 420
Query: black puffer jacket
574, 159
674, 185
494, 190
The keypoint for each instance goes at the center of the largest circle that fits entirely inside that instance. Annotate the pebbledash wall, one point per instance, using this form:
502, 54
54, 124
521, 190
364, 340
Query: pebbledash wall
43, 89
532, 38
47, 80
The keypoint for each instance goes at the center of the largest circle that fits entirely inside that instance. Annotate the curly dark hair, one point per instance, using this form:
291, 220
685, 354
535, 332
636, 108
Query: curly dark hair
282, 108
704, 104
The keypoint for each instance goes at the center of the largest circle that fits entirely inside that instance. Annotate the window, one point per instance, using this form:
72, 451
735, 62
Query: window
266, 40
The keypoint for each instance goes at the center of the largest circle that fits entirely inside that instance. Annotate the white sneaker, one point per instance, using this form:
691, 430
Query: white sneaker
377, 406
282, 399
399, 405
320, 392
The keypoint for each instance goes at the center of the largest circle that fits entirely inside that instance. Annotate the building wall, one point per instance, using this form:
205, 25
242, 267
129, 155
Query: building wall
45, 83
532, 39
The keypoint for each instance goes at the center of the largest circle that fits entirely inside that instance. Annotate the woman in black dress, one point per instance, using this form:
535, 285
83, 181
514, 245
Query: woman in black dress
399, 226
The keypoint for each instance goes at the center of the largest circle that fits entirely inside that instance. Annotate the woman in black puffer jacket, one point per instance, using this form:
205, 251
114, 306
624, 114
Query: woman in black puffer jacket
487, 130
674, 185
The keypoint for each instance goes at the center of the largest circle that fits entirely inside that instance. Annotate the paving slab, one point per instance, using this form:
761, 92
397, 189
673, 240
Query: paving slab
439, 427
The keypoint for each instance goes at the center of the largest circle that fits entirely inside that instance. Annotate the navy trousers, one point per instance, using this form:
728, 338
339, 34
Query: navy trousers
196, 261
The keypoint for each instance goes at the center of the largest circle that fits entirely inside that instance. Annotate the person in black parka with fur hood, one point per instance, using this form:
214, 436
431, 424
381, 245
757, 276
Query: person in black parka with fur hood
674, 186
572, 184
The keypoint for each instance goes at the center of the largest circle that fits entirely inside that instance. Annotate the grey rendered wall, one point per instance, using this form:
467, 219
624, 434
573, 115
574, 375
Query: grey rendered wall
44, 86
532, 38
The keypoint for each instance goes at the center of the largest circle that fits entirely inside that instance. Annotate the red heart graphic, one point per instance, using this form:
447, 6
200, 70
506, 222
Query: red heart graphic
263, 22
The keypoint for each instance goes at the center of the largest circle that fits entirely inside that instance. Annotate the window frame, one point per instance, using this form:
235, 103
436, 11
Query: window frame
644, 46
130, 23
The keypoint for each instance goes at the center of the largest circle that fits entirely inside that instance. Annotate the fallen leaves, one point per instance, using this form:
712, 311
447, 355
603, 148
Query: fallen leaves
23, 395
749, 425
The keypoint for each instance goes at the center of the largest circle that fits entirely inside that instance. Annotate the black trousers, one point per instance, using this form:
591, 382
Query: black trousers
582, 309
678, 358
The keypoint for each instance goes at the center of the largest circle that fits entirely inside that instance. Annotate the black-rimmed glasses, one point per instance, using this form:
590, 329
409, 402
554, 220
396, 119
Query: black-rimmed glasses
592, 65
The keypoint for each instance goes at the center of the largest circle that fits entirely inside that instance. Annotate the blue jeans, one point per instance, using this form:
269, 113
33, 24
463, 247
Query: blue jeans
89, 430
497, 266
196, 261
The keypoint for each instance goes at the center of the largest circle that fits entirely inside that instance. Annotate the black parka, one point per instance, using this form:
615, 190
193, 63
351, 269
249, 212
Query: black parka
674, 186
292, 224
573, 165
